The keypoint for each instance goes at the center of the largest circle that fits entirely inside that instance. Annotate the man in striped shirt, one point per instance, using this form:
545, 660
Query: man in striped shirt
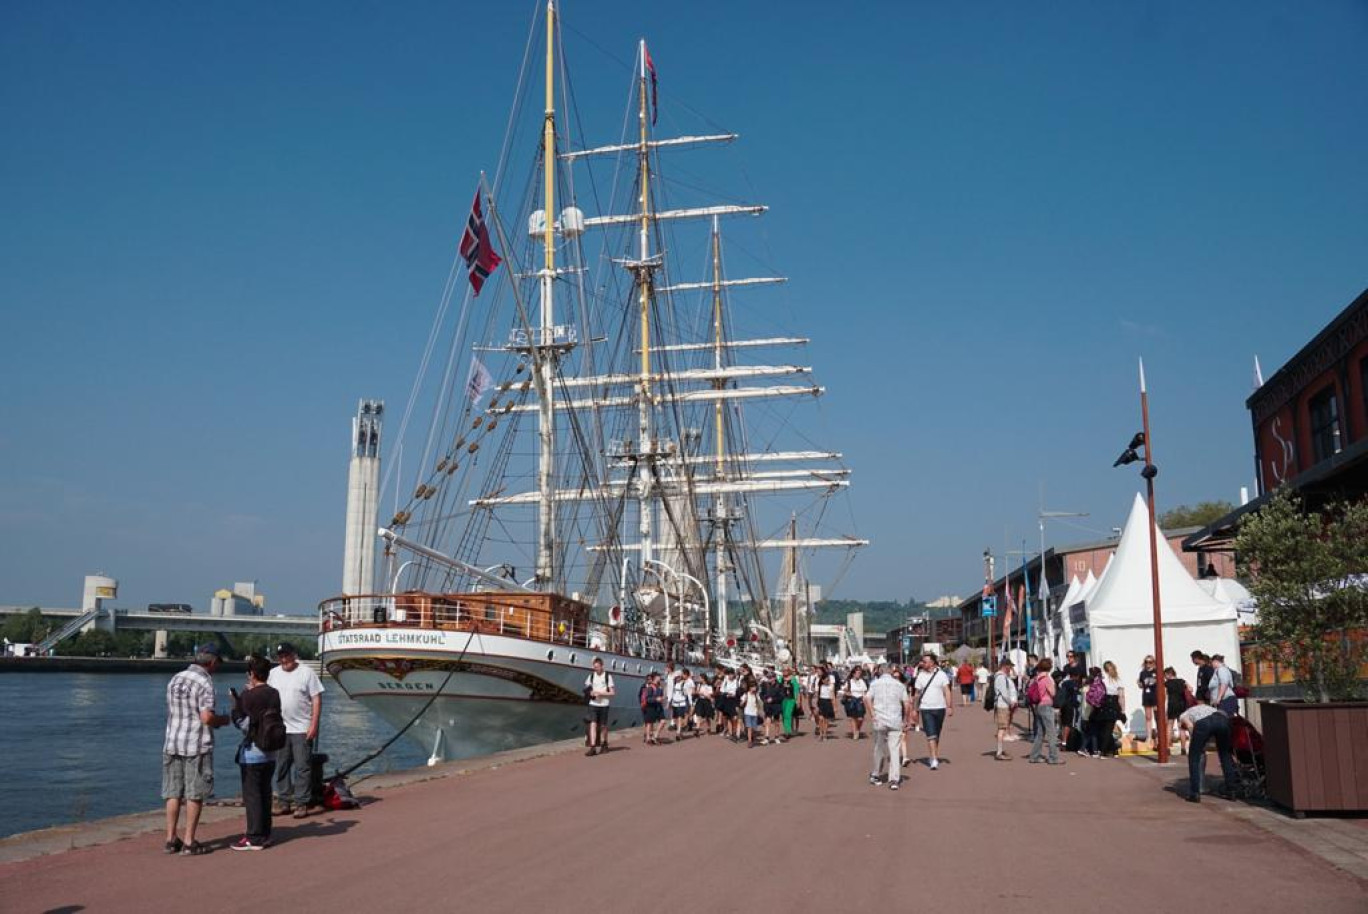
188, 748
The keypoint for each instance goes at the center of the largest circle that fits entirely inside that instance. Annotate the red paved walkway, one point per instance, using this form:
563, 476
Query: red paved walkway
712, 826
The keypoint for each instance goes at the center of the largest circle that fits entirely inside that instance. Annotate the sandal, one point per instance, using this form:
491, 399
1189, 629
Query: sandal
194, 849
175, 846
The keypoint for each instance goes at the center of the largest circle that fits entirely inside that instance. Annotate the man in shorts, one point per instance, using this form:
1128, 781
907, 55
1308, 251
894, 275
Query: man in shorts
932, 702
188, 747
599, 689
1004, 703
670, 680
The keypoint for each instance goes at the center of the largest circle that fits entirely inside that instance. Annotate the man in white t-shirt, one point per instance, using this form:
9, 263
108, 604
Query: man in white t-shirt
931, 703
671, 678
599, 689
301, 706
891, 708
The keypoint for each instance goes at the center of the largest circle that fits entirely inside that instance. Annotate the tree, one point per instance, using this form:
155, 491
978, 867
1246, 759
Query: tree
1201, 514
26, 628
1306, 573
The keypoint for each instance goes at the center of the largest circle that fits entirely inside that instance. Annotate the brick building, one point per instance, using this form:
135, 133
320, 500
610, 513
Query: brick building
1310, 423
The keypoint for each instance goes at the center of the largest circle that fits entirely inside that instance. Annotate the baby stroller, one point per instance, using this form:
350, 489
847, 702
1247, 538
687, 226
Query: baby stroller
1247, 746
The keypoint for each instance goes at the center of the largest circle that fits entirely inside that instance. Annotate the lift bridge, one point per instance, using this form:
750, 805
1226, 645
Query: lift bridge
108, 619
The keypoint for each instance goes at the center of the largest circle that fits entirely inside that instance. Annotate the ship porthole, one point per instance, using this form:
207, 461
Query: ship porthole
550, 655
638, 668
572, 658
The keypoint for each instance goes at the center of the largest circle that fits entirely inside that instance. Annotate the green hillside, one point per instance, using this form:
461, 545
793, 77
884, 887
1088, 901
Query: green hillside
879, 615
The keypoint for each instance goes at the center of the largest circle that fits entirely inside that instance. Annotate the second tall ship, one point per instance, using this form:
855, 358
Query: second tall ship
634, 518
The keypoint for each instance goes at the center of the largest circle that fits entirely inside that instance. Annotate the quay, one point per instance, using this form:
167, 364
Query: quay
709, 825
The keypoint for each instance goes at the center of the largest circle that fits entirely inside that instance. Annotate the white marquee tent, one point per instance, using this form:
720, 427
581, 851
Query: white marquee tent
1120, 613
1060, 634
1073, 614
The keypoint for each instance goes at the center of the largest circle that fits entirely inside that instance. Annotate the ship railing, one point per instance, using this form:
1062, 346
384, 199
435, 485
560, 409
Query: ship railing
464, 614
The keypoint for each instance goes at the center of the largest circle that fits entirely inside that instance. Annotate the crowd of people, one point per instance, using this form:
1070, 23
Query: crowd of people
1071, 708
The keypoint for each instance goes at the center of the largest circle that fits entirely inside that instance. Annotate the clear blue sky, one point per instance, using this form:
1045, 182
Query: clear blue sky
224, 223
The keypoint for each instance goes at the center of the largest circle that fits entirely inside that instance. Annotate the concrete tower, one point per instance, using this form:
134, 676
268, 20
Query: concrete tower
363, 495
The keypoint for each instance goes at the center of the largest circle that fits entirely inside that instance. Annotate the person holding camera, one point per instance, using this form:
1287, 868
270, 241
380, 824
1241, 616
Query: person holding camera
256, 712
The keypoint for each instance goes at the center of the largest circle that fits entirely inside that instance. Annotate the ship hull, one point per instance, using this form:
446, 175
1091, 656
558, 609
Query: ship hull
475, 693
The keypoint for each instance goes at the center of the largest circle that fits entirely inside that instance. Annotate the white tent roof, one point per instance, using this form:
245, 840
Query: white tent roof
1227, 590
1087, 587
1071, 595
1123, 596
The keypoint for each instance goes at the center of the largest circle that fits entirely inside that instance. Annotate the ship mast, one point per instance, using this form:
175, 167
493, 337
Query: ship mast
720, 518
546, 412
645, 271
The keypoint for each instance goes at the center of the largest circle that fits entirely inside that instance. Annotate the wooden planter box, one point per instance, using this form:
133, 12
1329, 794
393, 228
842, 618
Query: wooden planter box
1316, 755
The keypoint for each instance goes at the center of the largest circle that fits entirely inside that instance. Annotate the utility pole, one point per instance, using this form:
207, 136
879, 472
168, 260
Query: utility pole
1044, 587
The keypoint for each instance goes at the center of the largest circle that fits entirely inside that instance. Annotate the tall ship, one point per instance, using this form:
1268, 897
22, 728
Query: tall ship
615, 464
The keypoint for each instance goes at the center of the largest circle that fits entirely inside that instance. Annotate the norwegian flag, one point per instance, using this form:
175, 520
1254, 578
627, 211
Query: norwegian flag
479, 255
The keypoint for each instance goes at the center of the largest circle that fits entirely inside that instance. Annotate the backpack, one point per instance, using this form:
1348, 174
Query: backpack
268, 734
1188, 698
336, 795
1097, 693
1033, 692
1062, 699
990, 694
641, 696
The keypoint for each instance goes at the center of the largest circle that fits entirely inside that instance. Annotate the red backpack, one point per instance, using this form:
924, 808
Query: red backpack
1033, 692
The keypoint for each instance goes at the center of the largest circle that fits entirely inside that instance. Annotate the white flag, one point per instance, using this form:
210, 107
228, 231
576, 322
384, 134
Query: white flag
479, 381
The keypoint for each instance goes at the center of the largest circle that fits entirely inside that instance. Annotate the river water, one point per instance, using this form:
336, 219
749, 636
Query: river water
81, 746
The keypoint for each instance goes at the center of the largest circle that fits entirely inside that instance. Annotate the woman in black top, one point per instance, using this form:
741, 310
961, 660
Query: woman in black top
1175, 703
1071, 697
1149, 697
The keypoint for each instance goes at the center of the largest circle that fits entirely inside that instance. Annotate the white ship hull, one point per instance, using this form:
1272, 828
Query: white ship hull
482, 692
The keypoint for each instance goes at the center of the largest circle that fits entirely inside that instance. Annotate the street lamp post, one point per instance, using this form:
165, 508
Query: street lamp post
1143, 439
987, 590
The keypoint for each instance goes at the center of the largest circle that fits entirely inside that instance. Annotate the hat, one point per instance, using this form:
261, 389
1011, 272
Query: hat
210, 648
286, 647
